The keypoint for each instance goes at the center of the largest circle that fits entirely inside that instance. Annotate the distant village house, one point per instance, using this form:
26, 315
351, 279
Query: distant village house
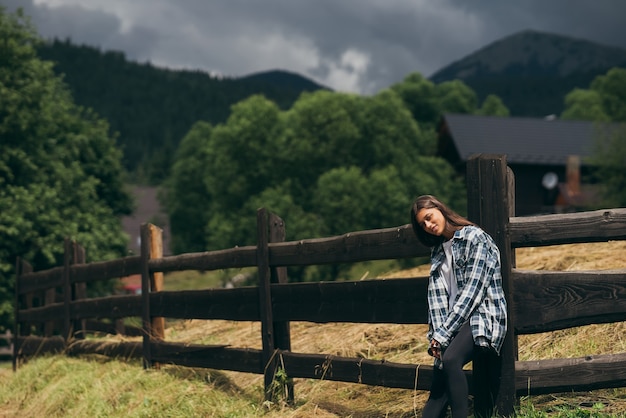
548, 156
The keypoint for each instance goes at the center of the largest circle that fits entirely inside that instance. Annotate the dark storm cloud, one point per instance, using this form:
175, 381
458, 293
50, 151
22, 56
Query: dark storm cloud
601, 21
87, 26
350, 45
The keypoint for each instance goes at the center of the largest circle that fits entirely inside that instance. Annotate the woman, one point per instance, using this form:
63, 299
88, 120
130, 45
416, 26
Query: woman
467, 308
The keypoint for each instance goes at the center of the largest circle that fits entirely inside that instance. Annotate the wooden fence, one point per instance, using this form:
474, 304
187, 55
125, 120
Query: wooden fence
539, 301
6, 346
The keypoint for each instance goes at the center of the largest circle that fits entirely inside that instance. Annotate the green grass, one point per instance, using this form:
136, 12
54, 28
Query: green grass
98, 387
95, 386
564, 408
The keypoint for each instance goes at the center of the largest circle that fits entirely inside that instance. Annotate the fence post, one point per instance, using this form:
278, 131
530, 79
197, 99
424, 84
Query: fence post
79, 289
282, 333
156, 278
265, 302
489, 207
49, 299
21, 267
67, 290
153, 328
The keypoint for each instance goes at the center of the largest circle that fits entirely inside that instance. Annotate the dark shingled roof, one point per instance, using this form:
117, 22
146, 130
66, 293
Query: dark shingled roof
523, 140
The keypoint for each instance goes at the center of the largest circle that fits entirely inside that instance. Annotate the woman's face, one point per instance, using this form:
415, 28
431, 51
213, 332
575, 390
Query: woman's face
432, 221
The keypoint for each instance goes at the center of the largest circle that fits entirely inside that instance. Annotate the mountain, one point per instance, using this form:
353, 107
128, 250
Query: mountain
153, 108
282, 79
533, 71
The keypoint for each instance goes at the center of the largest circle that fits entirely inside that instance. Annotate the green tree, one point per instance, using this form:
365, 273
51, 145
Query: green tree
583, 104
184, 194
320, 133
331, 164
604, 102
612, 89
427, 101
240, 164
60, 173
418, 94
455, 97
340, 200
609, 160
493, 106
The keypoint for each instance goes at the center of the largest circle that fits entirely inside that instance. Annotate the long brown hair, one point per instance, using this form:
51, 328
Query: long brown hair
453, 219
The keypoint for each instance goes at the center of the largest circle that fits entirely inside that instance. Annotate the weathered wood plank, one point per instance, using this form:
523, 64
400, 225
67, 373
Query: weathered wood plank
206, 261
567, 375
41, 280
67, 288
568, 228
21, 268
79, 290
105, 270
360, 370
146, 323
547, 300
543, 301
218, 357
378, 244
489, 207
265, 301
401, 301
115, 349
109, 307
42, 313
372, 301
239, 304
31, 345
92, 272
94, 326
282, 331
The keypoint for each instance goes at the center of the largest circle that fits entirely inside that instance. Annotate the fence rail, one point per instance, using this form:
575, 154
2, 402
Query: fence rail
538, 301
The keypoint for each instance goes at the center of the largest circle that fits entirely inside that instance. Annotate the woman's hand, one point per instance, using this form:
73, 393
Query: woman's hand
435, 349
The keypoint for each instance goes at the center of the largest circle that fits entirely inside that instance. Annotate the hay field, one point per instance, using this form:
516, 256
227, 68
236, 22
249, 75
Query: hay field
407, 344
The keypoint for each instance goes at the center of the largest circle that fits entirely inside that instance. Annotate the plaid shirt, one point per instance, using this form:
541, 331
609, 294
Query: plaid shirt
476, 268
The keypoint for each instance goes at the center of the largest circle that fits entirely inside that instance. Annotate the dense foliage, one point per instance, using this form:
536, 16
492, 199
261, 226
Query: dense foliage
331, 164
60, 172
605, 101
153, 108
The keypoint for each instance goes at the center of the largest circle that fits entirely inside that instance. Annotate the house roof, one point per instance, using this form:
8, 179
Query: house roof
523, 140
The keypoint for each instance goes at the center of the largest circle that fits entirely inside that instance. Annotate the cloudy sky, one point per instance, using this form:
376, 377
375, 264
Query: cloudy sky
349, 45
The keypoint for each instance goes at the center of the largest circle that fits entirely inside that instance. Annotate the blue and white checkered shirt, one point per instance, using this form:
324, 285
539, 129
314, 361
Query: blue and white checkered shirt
480, 299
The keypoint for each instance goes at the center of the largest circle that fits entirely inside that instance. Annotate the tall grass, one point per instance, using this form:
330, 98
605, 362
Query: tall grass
58, 386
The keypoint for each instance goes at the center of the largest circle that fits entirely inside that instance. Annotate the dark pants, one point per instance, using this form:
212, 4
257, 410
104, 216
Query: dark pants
449, 387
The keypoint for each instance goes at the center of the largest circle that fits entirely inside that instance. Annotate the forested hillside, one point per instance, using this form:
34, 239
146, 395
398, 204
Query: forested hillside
153, 108
533, 71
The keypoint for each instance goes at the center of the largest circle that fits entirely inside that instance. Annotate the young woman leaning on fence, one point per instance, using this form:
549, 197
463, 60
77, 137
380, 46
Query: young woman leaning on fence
467, 308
